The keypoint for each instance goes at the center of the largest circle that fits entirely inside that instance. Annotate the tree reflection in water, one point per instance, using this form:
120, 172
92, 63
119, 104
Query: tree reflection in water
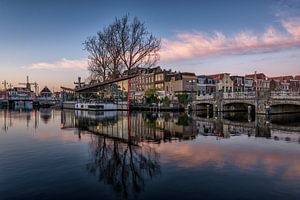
124, 166
123, 145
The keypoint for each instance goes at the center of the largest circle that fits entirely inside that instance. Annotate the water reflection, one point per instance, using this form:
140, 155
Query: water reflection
124, 166
128, 153
134, 127
124, 154
226, 125
45, 114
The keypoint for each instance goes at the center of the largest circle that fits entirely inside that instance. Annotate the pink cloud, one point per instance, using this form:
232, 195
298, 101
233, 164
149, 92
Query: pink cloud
61, 64
244, 40
196, 156
273, 37
195, 44
292, 26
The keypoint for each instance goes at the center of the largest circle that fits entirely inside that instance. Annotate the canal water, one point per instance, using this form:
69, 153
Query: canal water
54, 154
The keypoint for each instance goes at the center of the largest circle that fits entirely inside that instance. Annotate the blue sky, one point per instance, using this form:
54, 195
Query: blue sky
43, 39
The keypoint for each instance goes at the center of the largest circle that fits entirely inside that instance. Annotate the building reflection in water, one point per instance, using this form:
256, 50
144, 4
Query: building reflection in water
123, 147
136, 127
127, 150
226, 125
123, 150
31, 118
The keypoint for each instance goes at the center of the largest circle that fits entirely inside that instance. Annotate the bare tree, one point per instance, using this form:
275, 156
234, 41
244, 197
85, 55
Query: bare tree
99, 58
114, 49
124, 44
139, 48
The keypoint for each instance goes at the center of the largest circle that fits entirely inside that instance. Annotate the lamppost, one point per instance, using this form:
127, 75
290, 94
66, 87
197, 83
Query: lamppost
191, 83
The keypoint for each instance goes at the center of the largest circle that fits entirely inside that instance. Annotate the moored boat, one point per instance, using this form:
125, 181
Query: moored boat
96, 106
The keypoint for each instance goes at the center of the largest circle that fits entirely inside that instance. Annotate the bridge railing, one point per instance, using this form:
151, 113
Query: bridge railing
285, 95
239, 95
20, 98
204, 97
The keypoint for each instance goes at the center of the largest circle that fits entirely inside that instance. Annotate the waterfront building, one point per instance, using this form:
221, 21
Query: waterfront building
149, 78
248, 84
205, 85
285, 83
45, 92
238, 83
260, 81
295, 84
224, 83
180, 83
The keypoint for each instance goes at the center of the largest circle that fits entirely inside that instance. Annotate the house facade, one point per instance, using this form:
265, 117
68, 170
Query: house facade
260, 81
181, 82
238, 83
224, 83
205, 85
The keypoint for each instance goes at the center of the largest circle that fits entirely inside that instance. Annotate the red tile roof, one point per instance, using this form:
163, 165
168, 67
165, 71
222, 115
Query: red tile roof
217, 76
297, 77
281, 78
258, 76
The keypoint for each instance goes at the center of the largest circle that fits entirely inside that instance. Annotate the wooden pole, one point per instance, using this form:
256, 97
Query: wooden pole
128, 95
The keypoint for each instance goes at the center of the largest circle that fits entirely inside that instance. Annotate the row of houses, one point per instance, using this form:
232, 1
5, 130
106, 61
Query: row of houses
27, 93
169, 83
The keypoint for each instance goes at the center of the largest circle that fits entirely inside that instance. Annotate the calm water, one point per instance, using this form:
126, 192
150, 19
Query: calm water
53, 154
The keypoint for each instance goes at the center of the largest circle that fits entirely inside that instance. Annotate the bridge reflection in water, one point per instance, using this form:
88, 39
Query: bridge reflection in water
226, 125
123, 153
139, 127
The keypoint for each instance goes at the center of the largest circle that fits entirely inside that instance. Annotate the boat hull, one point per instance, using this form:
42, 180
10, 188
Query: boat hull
96, 106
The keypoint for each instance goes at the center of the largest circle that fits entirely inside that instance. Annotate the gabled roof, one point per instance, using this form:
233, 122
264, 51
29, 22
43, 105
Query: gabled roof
45, 90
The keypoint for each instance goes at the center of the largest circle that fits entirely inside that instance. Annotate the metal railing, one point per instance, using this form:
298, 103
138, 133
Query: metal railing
285, 95
204, 97
239, 95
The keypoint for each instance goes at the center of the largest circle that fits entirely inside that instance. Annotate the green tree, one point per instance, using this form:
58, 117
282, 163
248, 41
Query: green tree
151, 96
182, 99
166, 101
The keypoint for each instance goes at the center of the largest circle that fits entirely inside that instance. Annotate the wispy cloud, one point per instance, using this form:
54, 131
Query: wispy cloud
292, 26
63, 64
195, 44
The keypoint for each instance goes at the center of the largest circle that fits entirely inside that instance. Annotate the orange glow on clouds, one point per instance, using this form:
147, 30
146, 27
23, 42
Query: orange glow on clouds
189, 45
198, 155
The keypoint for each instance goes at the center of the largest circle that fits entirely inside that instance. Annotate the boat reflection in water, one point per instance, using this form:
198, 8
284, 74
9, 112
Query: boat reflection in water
134, 127
124, 149
145, 155
122, 153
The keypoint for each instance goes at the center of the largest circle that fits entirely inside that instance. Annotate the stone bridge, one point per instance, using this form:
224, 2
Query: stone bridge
262, 126
262, 102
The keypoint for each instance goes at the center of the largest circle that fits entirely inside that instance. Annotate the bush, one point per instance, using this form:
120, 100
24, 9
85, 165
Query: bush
151, 96
166, 101
182, 99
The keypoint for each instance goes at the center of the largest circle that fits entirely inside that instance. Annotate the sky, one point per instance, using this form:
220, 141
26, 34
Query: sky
43, 39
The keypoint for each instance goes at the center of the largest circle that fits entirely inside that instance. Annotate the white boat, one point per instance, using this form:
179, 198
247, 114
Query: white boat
46, 101
96, 106
96, 115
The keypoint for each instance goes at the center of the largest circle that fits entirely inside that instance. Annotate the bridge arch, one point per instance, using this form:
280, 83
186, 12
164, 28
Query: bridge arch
284, 107
238, 106
204, 106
